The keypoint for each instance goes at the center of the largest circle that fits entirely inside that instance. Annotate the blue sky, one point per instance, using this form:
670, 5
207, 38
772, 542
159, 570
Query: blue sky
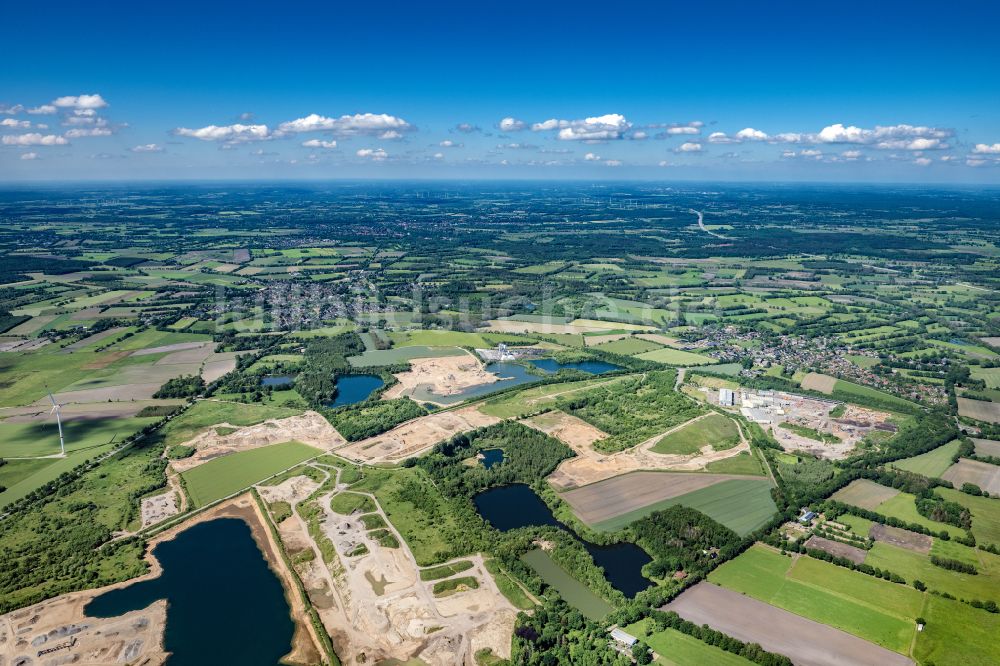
848, 91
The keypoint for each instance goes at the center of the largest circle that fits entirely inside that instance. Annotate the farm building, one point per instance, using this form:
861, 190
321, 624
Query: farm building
623, 638
727, 398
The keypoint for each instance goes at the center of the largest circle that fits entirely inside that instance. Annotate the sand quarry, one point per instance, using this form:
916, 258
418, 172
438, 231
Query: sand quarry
59, 625
309, 428
375, 606
416, 436
590, 465
446, 375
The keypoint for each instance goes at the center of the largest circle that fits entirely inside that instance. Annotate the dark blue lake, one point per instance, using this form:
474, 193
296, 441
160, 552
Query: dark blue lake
517, 505
491, 457
593, 367
224, 605
352, 389
277, 380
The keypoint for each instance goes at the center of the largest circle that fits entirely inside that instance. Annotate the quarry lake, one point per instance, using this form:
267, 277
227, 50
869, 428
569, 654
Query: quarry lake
353, 389
517, 505
277, 380
593, 367
224, 605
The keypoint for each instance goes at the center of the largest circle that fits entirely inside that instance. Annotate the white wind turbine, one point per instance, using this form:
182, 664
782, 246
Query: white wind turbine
55, 410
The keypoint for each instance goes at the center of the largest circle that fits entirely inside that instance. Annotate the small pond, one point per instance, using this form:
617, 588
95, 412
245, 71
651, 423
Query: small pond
510, 507
491, 457
219, 592
277, 380
593, 367
352, 389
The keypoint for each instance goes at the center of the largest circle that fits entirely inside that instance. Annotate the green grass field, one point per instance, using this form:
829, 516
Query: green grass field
916, 566
42, 438
224, 476
714, 429
985, 513
744, 463
675, 357
957, 635
628, 346
903, 506
848, 390
677, 649
347, 503
427, 338
931, 464
868, 607
742, 505
531, 400
370, 359
205, 413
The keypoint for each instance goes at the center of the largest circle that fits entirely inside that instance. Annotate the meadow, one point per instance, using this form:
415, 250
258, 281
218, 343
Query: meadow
932, 464
715, 429
231, 473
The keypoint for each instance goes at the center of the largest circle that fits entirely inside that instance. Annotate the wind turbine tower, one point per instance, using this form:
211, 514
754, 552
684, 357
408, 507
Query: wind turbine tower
55, 410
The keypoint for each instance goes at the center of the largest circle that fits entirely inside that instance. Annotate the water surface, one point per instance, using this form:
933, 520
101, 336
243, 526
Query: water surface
510, 374
224, 605
491, 457
517, 505
277, 380
352, 389
592, 367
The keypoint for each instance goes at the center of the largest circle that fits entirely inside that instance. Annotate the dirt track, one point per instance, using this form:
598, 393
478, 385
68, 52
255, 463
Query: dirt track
591, 465
416, 436
805, 642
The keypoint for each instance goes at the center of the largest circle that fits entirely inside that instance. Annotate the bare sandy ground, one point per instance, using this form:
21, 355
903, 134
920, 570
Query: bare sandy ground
817, 382
416, 436
214, 368
658, 338
135, 637
987, 447
918, 543
853, 553
309, 428
137, 391
979, 410
864, 493
446, 375
590, 465
593, 340
386, 612
984, 475
572, 431
805, 642
607, 499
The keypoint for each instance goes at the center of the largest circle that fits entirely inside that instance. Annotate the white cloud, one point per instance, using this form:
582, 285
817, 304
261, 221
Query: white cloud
885, 137
15, 124
11, 110
509, 124
43, 110
721, 137
80, 102
147, 148
851, 154
683, 129
751, 134
29, 156
922, 161
690, 147
316, 143
34, 139
613, 163
448, 143
975, 162
439, 156
390, 135
639, 136
348, 125
611, 126
986, 149
591, 157
467, 128
374, 154
920, 143
229, 133
92, 131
